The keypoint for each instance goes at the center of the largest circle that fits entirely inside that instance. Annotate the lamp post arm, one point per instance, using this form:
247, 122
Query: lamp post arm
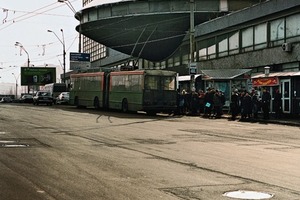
57, 37
64, 52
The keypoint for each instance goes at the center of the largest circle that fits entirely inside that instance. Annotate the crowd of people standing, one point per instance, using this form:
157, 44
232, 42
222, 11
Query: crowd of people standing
210, 104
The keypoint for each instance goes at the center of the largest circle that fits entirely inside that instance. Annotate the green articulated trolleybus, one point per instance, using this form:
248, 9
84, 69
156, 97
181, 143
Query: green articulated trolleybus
152, 91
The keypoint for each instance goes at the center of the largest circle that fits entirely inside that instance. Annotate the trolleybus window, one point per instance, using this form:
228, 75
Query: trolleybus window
169, 83
162, 82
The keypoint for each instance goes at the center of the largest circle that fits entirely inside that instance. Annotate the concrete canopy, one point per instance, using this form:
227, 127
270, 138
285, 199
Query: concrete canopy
152, 30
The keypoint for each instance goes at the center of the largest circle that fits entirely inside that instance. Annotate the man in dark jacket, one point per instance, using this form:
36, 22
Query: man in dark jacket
234, 104
277, 104
265, 100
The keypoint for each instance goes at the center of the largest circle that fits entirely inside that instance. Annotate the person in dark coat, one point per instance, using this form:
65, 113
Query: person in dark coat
217, 101
223, 100
246, 106
194, 103
201, 101
208, 102
234, 104
255, 103
277, 104
265, 100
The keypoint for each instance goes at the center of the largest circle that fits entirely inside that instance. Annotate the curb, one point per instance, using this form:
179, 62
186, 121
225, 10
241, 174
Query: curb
270, 121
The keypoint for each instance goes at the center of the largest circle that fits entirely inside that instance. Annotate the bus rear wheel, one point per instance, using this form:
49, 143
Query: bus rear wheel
124, 105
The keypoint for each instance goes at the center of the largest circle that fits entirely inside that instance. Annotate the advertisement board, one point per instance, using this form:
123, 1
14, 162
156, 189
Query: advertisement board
37, 75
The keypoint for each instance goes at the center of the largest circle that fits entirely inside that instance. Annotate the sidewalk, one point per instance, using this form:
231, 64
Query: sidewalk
284, 120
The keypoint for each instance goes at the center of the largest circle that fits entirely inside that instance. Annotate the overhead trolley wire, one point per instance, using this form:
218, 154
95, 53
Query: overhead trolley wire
28, 15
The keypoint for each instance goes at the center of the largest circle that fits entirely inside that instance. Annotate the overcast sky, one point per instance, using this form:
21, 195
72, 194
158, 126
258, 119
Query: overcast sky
27, 22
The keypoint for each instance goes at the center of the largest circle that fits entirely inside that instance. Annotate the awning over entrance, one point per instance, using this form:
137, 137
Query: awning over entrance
272, 79
225, 74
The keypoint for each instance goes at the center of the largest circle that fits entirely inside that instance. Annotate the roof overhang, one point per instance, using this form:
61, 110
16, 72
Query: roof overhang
225, 74
187, 77
272, 79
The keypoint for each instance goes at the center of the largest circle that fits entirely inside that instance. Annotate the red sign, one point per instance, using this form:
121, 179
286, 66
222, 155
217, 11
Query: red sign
267, 81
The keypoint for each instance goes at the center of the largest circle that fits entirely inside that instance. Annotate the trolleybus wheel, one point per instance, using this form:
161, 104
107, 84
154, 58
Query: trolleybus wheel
96, 103
124, 105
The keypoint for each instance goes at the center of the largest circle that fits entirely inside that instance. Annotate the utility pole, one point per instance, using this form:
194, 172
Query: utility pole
192, 41
64, 52
16, 78
28, 61
68, 3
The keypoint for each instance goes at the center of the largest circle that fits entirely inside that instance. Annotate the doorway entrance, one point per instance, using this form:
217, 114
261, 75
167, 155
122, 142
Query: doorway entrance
285, 86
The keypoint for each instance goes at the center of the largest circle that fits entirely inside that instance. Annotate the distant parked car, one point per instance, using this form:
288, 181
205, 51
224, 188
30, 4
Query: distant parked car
26, 98
63, 98
6, 100
43, 97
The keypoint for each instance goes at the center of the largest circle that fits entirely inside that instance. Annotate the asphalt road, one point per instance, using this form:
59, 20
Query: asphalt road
64, 153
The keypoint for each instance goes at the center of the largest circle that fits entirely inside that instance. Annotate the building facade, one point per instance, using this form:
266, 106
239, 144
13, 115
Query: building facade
262, 34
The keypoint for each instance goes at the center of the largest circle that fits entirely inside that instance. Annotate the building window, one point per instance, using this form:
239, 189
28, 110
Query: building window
97, 51
277, 31
177, 61
186, 58
93, 15
211, 48
223, 45
163, 65
260, 36
247, 39
170, 62
234, 43
293, 28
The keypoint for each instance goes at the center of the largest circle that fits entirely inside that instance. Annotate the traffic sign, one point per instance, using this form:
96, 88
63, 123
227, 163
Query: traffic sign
193, 68
79, 61
85, 57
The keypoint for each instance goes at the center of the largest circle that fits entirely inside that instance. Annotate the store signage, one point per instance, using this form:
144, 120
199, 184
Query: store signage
266, 81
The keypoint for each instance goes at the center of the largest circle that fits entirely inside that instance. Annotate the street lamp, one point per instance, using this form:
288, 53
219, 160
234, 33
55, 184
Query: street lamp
16, 78
64, 51
18, 44
68, 3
